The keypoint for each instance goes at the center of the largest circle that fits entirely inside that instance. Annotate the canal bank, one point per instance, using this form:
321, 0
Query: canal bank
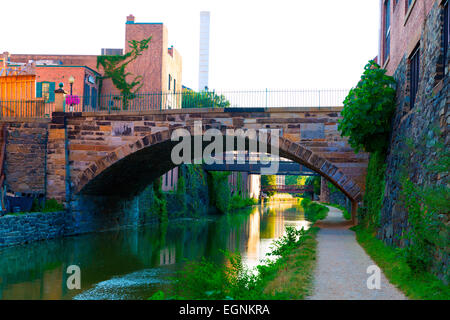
197, 194
135, 263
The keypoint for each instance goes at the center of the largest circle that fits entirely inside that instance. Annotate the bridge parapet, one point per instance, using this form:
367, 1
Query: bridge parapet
98, 141
107, 153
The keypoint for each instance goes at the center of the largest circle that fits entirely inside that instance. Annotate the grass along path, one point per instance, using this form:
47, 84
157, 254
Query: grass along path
294, 280
342, 265
424, 286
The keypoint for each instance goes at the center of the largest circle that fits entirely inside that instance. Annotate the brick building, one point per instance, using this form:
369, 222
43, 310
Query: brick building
413, 49
159, 66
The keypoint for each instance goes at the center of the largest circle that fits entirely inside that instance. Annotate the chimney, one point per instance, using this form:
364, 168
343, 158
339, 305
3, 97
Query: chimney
130, 19
203, 72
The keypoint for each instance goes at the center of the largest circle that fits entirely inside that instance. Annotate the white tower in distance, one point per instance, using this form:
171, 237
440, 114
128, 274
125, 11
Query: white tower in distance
203, 67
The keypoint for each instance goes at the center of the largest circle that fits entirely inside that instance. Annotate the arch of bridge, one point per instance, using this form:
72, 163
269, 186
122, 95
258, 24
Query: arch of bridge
149, 157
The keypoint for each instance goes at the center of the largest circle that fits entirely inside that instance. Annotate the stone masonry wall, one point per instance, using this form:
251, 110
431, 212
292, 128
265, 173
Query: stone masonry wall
26, 157
31, 227
422, 126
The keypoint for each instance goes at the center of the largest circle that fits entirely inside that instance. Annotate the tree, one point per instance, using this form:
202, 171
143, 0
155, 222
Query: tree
269, 181
315, 182
368, 110
192, 99
295, 180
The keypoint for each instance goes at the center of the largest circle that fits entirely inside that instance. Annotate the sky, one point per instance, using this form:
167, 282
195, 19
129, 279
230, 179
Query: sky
283, 44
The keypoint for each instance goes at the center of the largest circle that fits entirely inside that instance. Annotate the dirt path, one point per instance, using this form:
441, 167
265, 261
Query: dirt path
342, 265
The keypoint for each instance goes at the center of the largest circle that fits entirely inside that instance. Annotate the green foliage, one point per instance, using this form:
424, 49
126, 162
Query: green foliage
181, 194
159, 205
415, 285
239, 202
205, 280
51, 205
114, 68
427, 205
368, 110
157, 296
332, 188
192, 99
295, 180
369, 215
219, 190
314, 181
291, 240
344, 210
220, 194
269, 181
314, 211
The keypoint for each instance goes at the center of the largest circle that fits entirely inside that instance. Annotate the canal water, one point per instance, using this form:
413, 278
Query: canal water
136, 263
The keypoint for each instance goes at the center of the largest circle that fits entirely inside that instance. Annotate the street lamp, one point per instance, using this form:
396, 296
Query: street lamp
71, 81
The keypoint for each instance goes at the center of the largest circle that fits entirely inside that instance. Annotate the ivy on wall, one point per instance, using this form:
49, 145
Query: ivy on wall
219, 191
427, 205
369, 214
114, 67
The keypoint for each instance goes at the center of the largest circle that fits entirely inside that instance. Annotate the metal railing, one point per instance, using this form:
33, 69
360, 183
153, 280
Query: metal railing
117, 103
37, 108
214, 99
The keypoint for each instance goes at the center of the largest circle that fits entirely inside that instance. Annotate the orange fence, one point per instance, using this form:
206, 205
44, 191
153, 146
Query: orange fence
17, 87
18, 98
36, 108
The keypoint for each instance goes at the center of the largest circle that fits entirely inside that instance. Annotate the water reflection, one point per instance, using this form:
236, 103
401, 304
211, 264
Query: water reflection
135, 263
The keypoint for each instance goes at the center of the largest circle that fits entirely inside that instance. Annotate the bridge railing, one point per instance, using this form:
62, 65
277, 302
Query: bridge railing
29, 108
117, 103
287, 188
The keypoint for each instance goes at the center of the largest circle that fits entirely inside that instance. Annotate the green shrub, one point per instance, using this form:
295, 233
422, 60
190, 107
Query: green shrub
237, 202
269, 181
314, 211
206, 280
315, 182
193, 99
368, 110
50, 205
423, 285
219, 191
369, 215
344, 210
427, 205
159, 205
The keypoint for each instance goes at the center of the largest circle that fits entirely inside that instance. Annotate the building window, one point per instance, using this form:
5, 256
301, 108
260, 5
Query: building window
46, 90
414, 75
170, 81
446, 32
387, 29
174, 86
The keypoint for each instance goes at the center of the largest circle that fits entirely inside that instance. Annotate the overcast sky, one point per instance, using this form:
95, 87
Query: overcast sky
254, 44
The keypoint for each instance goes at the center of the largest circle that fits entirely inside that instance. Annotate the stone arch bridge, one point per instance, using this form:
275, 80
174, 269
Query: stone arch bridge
100, 154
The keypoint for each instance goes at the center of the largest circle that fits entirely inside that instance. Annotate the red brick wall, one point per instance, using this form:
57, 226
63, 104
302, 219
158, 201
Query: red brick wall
158, 61
406, 27
149, 64
62, 74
